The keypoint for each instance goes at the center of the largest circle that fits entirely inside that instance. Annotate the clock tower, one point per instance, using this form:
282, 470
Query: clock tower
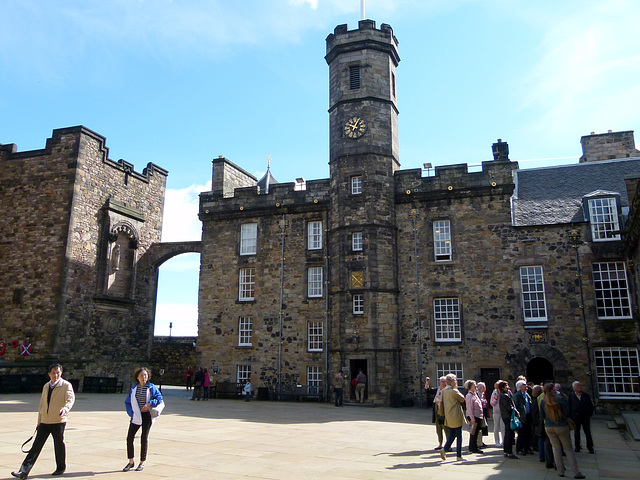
362, 231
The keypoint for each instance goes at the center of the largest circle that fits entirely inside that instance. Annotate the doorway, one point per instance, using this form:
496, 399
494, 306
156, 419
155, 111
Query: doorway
539, 370
489, 376
355, 365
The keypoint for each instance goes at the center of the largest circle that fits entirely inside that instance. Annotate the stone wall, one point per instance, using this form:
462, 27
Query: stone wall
219, 306
67, 205
173, 355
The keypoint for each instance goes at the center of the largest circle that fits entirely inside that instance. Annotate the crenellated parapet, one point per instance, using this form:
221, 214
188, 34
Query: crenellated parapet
73, 140
282, 198
455, 181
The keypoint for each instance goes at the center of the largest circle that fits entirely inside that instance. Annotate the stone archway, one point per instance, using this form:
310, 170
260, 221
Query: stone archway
539, 369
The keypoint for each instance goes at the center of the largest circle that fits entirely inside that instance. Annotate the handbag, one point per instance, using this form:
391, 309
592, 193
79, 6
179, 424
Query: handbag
571, 424
515, 421
157, 410
28, 440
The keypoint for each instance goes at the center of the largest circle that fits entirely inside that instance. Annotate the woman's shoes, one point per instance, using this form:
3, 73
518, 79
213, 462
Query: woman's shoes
128, 467
140, 468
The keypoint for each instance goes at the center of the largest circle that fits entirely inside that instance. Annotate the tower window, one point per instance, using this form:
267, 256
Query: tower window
354, 77
356, 185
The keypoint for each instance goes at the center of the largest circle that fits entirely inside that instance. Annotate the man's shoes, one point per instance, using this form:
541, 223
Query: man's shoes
591, 450
58, 472
513, 456
128, 467
578, 475
461, 459
577, 449
522, 454
139, 468
19, 474
443, 455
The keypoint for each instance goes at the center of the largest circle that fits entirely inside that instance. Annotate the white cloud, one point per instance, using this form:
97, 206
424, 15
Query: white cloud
312, 3
587, 74
181, 222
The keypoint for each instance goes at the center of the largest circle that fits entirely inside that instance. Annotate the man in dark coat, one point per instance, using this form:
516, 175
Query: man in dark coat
581, 408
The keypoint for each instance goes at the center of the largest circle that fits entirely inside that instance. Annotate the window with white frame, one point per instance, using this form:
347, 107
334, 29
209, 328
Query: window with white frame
358, 304
603, 214
314, 336
248, 238
612, 290
442, 240
356, 185
617, 372
446, 315
314, 235
356, 241
444, 369
245, 329
314, 282
244, 373
314, 376
247, 284
532, 286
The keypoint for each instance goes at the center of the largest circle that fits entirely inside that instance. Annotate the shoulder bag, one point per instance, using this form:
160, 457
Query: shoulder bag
515, 421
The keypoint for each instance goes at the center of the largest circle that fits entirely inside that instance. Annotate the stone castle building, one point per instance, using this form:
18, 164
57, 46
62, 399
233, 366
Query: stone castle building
488, 274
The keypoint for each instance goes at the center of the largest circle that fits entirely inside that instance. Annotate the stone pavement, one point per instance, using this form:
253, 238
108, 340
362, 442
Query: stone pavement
233, 439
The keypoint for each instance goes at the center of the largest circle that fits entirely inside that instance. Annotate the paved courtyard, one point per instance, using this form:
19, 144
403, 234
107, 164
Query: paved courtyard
232, 439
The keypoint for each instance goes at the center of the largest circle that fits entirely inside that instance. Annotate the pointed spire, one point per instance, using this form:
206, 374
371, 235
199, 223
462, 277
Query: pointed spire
267, 179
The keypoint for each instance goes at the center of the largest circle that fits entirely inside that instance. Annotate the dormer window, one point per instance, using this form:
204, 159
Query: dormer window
603, 215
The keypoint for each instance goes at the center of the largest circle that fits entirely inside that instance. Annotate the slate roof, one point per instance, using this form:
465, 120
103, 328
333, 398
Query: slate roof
553, 195
266, 181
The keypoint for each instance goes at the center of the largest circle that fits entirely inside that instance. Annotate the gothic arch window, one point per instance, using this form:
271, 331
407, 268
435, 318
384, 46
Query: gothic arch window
121, 260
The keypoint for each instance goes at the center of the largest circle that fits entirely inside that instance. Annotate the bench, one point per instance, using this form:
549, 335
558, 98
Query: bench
298, 393
227, 390
23, 382
102, 385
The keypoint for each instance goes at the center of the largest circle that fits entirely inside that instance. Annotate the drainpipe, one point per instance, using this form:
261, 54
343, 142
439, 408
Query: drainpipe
574, 237
326, 306
414, 216
283, 228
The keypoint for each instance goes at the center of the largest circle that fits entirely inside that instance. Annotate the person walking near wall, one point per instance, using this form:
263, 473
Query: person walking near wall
55, 402
453, 416
188, 375
142, 398
198, 380
506, 409
498, 424
581, 408
206, 383
438, 407
474, 415
338, 388
554, 409
361, 384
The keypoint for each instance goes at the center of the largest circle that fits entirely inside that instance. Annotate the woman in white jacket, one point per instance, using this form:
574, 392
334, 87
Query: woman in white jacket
141, 399
498, 425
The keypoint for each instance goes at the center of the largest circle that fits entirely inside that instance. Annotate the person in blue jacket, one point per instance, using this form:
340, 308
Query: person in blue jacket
143, 397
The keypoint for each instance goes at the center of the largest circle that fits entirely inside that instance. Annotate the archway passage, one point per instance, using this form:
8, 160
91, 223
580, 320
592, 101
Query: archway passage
539, 369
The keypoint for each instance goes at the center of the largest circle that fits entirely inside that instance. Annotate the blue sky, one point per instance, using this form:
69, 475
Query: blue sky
179, 82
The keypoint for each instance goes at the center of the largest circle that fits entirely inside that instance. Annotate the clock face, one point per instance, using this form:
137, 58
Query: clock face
355, 127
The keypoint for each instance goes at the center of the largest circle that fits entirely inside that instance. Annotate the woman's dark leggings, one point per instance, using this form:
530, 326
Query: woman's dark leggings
133, 429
